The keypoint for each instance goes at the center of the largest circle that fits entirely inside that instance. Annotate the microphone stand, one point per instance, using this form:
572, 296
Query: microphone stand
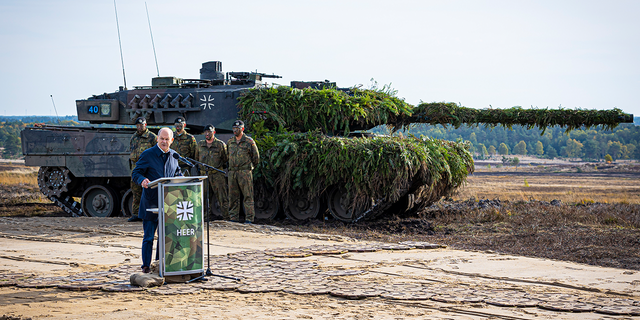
208, 168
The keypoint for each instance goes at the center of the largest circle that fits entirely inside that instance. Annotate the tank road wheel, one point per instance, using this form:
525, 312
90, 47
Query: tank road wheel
266, 203
302, 208
338, 202
126, 204
53, 181
99, 201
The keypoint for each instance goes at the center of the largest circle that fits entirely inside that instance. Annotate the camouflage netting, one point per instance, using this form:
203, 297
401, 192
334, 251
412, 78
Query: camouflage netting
333, 110
378, 168
450, 113
326, 109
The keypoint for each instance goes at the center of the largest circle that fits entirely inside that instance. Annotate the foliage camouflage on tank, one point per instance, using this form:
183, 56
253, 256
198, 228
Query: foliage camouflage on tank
336, 110
370, 173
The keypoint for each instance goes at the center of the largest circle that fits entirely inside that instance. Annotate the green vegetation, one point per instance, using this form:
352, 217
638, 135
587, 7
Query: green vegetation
326, 109
503, 149
539, 148
331, 110
450, 113
378, 168
10, 139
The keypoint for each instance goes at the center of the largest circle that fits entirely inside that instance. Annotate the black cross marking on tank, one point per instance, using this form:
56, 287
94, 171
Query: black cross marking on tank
206, 102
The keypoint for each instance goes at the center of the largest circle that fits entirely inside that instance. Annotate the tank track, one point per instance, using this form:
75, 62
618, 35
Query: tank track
68, 205
53, 183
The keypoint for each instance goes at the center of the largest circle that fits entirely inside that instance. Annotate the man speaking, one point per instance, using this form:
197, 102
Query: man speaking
154, 163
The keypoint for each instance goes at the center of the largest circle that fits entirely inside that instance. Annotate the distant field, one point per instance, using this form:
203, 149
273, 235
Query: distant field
573, 188
12, 173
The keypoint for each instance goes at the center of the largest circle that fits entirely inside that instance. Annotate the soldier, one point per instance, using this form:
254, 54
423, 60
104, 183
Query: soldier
184, 144
142, 140
243, 157
213, 151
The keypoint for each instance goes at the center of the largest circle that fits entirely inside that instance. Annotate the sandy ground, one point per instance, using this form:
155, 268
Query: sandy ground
444, 283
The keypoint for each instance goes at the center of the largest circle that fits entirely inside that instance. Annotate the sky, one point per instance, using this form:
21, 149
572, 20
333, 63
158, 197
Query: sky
542, 54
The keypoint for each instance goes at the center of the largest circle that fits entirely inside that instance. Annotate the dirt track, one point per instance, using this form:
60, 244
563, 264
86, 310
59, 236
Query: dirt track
445, 283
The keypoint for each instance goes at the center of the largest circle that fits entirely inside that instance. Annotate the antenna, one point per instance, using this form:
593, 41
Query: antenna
54, 108
120, 43
152, 44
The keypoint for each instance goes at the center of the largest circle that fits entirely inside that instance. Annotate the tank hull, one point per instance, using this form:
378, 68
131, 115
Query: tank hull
74, 160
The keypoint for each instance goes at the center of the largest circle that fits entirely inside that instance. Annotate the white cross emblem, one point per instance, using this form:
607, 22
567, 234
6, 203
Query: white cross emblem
206, 101
184, 210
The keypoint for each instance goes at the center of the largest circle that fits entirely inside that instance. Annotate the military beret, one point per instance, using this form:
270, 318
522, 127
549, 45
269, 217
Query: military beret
209, 127
238, 124
140, 120
180, 120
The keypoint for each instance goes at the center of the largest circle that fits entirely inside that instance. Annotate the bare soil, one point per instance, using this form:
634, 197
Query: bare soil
597, 234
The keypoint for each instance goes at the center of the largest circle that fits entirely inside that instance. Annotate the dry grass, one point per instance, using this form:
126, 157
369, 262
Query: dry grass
15, 173
14, 178
598, 234
579, 188
19, 192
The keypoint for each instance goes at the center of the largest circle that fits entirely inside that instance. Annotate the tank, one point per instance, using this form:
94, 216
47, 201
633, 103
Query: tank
317, 157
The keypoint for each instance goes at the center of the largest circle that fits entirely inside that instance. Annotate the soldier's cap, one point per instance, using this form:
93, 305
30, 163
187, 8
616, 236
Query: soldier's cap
140, 120
238, 124
180, 120
209, 127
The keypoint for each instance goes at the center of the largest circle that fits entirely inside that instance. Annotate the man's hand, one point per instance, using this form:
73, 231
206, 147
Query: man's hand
145, 183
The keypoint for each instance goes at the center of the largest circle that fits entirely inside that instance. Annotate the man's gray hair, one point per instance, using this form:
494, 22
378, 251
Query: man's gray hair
167, 129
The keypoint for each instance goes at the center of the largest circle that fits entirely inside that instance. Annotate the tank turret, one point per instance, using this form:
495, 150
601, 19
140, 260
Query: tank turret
212, 71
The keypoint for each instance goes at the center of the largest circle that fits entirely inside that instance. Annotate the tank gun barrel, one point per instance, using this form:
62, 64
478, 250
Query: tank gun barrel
450, 113
334, 110
252, 75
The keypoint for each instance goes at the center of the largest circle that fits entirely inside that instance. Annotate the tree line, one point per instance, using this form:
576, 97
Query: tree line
623, 142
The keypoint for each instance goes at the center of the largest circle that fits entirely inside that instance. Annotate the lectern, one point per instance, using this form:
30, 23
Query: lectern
180, 225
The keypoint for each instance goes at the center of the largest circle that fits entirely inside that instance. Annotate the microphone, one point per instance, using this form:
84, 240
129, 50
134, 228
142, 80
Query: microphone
178, 157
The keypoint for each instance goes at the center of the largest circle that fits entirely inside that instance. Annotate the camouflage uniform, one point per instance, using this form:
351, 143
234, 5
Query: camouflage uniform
243, 157
185, 145
216, 156
138, 144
